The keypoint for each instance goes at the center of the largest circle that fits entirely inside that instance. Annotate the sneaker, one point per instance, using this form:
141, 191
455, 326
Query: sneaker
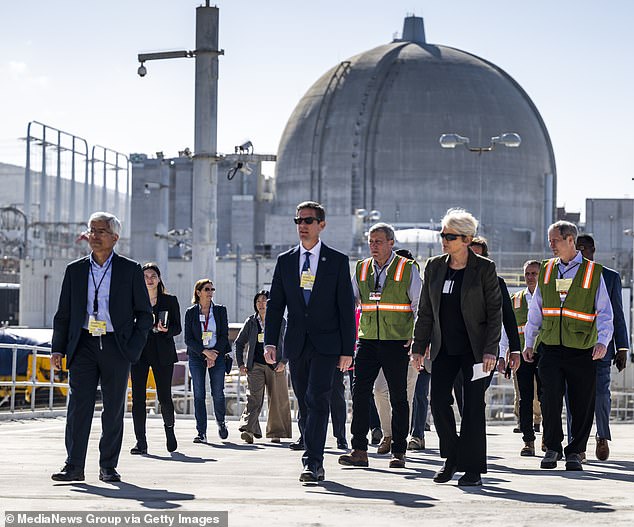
550, 459
385, 446
416, 443
528, 450
573, 462
247, 437
356, 458
397, 461
603, 449
375, 437
200, 438
222, 431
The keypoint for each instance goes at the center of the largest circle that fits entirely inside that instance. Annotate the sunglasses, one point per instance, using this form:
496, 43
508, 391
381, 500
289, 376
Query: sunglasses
450, 237
209, 288
308, 220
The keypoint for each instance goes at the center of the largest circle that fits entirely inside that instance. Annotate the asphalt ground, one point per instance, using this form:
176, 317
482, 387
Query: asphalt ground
258, 484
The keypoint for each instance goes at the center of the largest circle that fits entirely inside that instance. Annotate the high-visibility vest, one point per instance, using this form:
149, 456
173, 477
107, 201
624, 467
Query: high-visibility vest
520, 308
571, 323
391, 318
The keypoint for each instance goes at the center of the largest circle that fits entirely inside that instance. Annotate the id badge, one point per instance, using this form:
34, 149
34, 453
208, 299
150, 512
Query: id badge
563, 284
261, 338
375, 296
447, 287
207, 335
307, 281
96, 327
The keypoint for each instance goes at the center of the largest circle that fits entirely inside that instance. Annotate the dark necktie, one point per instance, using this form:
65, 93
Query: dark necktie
305, 268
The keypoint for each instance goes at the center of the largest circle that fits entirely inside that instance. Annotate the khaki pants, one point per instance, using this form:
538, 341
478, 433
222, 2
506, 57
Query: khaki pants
382, 399
278, 423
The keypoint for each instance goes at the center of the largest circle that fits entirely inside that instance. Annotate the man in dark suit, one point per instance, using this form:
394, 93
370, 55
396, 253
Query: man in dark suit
101, 326
617, 350
312, 281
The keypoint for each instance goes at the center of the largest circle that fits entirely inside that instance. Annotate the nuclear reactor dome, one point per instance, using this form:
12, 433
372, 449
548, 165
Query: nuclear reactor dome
366, 136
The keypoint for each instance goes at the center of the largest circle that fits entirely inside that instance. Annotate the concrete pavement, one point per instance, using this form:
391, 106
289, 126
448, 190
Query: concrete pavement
258, 484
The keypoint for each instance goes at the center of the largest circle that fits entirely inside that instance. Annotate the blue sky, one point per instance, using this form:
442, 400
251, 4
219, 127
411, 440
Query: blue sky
72, 64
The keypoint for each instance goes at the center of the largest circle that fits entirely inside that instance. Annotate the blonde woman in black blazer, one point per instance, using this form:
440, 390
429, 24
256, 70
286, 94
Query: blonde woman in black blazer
458, 325
159, 353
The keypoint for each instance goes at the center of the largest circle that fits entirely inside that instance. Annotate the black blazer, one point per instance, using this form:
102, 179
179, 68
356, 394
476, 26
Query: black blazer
194, 334
130, 309
508, 318
160, 346
620, 338
328, 319
481, 304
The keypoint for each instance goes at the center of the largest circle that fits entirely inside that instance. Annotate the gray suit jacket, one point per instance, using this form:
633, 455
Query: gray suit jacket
481, 304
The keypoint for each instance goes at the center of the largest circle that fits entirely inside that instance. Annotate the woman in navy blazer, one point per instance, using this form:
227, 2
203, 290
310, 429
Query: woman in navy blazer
159, 353
207, 340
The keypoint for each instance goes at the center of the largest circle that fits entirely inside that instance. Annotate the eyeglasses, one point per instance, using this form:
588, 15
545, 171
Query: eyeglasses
308, 220
209, 288
449, 236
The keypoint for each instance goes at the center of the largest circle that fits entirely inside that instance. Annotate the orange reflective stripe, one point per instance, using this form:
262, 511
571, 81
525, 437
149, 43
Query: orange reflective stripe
364, 269
549, 270
587, 277
568, 313
520, 329
400, 267
386, 307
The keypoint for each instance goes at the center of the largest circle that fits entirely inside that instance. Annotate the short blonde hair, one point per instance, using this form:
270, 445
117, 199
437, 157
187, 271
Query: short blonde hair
461, 221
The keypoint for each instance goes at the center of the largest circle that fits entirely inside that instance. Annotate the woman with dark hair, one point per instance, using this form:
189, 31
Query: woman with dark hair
458, 325
207, 340
260, 375
159, 354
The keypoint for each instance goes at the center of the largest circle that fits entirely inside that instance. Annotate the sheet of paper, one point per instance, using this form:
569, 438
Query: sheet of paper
478, 371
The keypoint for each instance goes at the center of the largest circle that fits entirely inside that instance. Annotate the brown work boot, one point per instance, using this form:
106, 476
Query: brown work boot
529, 449
397, 461
603, 449
385, 446
356, 458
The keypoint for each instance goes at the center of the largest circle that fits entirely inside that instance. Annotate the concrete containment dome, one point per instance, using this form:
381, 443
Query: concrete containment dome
366, 136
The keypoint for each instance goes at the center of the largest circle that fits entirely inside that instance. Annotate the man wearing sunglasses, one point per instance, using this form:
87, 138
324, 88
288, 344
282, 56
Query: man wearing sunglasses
312, 282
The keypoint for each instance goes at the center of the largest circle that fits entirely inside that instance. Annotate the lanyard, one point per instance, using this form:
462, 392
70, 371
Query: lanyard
207, 317
562, 273
95, 302
378, 275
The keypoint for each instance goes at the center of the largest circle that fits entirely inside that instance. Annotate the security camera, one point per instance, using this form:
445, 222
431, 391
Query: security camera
142, 71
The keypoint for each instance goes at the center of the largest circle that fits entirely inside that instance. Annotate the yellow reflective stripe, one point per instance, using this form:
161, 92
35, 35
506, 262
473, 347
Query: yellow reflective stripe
398, 274
364, 269
386, 307
520, 329
549, 270
587, 277
569, 313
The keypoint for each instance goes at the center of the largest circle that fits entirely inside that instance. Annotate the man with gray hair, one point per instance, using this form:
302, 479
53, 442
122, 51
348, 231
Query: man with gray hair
101, 325
572, 314
387, 288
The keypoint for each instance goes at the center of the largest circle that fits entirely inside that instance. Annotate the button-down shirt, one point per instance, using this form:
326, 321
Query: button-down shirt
314, 257
504, 339
95, 275
211, 326
413, 291
601, 303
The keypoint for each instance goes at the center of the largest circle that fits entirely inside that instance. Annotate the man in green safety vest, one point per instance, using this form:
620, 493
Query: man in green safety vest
572, 314
387, 288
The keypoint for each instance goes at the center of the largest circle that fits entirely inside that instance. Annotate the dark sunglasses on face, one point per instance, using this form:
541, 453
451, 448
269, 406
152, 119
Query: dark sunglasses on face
209, 288
450, 237
308, 220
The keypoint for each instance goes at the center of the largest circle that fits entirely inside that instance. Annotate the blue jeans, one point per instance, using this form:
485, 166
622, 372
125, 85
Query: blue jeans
421, 404
197, 369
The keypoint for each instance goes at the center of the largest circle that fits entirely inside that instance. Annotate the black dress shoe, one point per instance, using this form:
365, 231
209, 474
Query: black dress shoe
446, 472
470, 479
309, 475
573, 462
342, 444
69, 473
109, 474
375, 436
138, 449
222, 431
297, 445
